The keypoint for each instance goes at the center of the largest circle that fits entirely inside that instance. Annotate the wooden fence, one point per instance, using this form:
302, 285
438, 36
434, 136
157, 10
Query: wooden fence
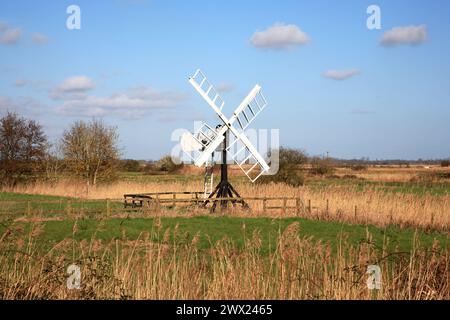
147, 202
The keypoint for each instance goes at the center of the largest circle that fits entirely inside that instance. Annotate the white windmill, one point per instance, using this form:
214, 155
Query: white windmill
201, 145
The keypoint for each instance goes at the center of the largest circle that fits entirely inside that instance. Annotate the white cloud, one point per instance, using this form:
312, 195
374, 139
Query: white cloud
225, 87
73, 87
279, 36
412, 35
24, 106
132, 103
340, 74
76, 83
39, 38
10, 35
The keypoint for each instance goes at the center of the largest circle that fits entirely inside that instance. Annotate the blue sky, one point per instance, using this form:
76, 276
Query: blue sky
330, 82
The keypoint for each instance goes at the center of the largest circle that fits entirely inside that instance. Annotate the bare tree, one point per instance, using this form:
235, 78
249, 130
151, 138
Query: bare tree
53, 162
23, 146
289, 157
90, 150
290, 163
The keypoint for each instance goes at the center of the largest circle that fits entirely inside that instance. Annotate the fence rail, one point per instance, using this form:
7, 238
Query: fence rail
143, 202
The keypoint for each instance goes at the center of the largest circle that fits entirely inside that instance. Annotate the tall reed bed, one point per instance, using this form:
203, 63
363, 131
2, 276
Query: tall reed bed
175, 268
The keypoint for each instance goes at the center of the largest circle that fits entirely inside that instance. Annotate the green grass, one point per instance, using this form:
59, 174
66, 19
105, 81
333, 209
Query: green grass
212, 229
11, 196
17, 204
414, 188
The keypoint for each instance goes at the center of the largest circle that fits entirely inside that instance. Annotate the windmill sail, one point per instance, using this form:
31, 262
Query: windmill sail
200, 145
244, 114
250, 107
207, 91
247, 153
253, 104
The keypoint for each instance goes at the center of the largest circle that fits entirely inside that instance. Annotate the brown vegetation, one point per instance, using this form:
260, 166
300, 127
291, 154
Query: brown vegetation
341, 203
90, 151
297, 268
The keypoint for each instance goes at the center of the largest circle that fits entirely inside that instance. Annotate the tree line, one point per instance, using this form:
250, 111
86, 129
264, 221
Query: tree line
87, 150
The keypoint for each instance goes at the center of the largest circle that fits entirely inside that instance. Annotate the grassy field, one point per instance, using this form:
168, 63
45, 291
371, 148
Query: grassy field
405, 204
381, 216
160, 259
209, 230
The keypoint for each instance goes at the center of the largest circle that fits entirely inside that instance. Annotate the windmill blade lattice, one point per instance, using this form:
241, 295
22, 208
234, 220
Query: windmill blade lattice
244, 114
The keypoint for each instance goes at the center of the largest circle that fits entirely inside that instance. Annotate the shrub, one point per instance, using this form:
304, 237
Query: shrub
292, 157
290, 177
130, 165
321, 166
445, 163
359, 167
289, 162
350, 176
430, 178
167, 164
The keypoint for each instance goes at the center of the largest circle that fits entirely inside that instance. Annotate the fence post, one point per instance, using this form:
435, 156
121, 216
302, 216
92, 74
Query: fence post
157, 200
108, 208
309, 206
328, 207
174, 197
297, 206
28, 208
196, 199
356, 212
264, 205
284, 205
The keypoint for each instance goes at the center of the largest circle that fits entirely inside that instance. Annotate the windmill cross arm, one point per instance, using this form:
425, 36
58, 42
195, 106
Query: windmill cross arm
212, 146
249, 108
211, 103
254, 102
256, 89
246, 142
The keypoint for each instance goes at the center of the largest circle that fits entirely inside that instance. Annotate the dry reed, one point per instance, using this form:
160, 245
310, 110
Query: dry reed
297, 268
